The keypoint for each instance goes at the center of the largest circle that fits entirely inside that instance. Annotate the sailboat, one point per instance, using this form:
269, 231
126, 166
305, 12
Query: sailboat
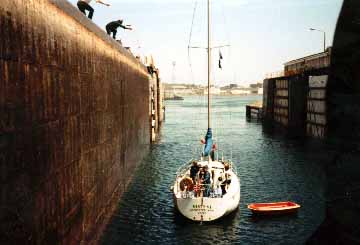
207, 189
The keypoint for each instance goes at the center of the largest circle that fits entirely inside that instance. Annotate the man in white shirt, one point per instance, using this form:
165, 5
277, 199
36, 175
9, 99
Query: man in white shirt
84, 5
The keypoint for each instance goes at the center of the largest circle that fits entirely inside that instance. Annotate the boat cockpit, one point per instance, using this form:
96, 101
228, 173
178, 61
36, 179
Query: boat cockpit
210, 179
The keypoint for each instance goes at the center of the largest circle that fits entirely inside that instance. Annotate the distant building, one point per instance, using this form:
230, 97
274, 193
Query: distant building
213, 90
230, 86
178, 87
179, 91
191, 89
256, 85
240, 91
254, 88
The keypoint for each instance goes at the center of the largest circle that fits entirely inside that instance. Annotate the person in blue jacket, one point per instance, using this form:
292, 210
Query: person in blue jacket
207, 182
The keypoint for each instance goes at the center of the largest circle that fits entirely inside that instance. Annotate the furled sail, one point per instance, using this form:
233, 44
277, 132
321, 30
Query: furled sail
208, 143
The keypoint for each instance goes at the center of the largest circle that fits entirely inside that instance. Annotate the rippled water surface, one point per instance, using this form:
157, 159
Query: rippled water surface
271, 168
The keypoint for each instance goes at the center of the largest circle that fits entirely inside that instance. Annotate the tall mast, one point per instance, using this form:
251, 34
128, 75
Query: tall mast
209, 62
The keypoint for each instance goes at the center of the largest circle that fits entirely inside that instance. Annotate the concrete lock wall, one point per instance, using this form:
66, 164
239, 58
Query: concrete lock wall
74, 122
156, 104
160, 100
154, 96
316, 107
268, 99
289, 102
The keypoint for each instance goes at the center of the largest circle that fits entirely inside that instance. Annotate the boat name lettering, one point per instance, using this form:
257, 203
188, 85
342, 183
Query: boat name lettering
195, 206
201, 211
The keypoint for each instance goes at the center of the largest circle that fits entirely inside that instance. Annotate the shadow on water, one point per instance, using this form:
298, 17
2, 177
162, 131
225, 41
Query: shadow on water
221, 231
273, 218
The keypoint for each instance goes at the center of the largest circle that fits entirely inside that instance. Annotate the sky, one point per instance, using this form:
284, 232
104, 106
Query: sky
262, 34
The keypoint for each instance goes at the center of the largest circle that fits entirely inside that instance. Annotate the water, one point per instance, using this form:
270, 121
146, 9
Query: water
271, 168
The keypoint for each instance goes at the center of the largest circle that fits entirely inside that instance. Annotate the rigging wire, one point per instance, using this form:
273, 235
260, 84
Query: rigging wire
195, 117
229, 64
198, 116
217, 130
221, 114
190, 38
225, 23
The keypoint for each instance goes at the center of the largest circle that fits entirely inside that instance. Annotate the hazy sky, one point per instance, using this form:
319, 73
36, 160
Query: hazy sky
263, 34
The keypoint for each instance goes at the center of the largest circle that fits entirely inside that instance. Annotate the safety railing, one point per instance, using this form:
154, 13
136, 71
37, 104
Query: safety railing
184, 168
219, 155
199, 190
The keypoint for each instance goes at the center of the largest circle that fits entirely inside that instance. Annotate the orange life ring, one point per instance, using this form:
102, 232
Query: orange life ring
186, 182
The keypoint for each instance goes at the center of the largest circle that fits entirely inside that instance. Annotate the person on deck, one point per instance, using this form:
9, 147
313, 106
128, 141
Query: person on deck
112, 27
212, 153
207, 181
227, 175
194, 170
223, 181
85, 5
213, 149
218, 190
198, 189
200, 176
223, 186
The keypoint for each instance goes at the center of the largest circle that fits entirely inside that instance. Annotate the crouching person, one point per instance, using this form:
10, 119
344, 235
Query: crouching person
112, 27
85, 5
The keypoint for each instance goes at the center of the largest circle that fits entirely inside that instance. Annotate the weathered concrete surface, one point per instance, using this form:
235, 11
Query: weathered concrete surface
285, 102
74, 121
156, 105
342, 224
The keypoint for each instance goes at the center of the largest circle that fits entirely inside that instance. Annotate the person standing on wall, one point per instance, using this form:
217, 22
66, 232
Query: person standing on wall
113, 25
85, 5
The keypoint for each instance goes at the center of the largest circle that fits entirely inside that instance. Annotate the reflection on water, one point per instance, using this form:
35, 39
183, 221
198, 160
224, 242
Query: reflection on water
271, 168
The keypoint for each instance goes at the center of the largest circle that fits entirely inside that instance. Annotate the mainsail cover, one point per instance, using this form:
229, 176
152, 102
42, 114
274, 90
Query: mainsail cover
208, 143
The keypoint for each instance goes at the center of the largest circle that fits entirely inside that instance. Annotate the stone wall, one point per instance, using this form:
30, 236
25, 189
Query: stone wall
74, 122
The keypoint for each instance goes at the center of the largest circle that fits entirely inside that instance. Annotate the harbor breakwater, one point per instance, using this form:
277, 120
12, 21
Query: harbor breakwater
76, 117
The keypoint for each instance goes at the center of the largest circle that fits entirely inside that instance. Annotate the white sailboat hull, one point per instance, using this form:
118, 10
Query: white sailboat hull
205, 209
204, 198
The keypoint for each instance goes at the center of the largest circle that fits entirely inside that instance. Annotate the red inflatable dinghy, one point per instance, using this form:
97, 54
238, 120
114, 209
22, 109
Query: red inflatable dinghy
273, 208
